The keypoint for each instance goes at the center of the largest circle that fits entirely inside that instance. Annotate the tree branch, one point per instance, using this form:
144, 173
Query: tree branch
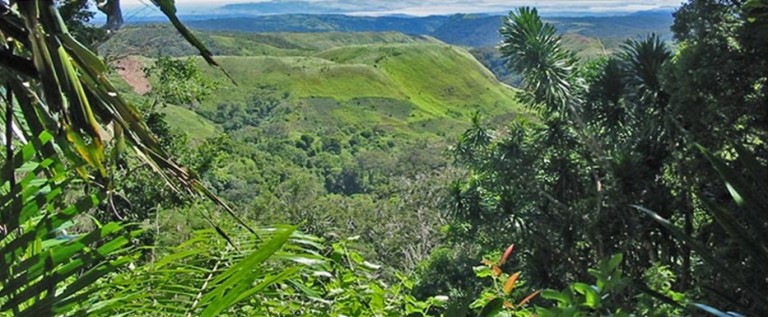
111, 8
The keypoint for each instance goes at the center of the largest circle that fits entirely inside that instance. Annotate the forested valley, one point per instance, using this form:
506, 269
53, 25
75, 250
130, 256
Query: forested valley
340, 165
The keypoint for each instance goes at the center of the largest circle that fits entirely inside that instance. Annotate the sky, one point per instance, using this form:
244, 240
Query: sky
432, 7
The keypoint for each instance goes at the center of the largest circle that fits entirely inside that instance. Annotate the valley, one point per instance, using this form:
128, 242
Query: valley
326, 128
355, 108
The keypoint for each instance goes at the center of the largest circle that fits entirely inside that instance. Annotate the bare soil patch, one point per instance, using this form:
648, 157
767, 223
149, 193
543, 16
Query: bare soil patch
131, 69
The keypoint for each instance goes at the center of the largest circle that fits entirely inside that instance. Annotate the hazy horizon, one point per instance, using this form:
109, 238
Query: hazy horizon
417, 7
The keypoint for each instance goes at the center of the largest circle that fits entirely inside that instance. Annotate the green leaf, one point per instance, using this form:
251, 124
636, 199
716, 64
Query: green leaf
229, 285
482, 271
492, 308
705, 254
744, 193
562, 298
614, 262
592, 298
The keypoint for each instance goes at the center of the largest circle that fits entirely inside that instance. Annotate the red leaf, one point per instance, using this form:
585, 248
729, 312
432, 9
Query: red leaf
528, 299
507, 254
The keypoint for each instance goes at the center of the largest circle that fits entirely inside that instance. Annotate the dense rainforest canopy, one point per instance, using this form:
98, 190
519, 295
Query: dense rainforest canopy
629, 183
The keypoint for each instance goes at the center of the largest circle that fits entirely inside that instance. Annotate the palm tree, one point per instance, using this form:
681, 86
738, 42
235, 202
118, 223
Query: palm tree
534, 50
645, 60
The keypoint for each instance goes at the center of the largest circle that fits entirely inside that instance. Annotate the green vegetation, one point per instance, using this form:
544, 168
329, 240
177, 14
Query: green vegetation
197, 127
589, 37
632, 184
403, 84
153, 40
621, 163
353, 125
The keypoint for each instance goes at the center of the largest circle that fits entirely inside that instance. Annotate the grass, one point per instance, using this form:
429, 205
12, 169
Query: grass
152, 40
413, 86
195, 126
393, 85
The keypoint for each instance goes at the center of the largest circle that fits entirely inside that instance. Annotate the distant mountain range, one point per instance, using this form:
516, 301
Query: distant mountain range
303, 7
473, 30
282, 7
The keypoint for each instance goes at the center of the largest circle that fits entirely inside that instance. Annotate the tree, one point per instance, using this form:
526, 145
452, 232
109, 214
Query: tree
179, 82
114, 13
534, 49
642, 130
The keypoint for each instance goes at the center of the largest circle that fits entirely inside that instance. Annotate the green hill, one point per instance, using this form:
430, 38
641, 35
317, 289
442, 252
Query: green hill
152, 40
428, 89
400, 84
197, 127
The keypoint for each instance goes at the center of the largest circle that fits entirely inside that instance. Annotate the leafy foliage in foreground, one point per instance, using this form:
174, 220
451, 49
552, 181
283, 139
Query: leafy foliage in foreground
45, 270
612, 134
286, 274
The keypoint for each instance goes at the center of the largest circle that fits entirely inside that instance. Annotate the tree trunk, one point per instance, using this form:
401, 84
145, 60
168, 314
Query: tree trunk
114, 15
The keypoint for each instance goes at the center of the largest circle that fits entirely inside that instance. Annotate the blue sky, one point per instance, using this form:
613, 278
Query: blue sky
430, 7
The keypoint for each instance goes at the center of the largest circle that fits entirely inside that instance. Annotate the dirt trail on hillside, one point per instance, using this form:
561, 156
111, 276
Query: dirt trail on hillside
132, 71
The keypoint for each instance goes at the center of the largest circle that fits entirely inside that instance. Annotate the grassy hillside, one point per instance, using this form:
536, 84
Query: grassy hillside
426, 89
470, 30
152, 40
401, 84
590, 37
195, 126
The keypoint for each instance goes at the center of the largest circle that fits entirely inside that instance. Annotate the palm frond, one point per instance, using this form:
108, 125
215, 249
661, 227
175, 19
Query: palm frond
534, 49
645, 59
44, 271
745, 227
206, 277
63, 88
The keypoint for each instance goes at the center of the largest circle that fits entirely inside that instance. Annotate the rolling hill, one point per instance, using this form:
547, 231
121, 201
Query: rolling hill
152, 40
303, 34
589, 36
403, 85
426, 89
327, 129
